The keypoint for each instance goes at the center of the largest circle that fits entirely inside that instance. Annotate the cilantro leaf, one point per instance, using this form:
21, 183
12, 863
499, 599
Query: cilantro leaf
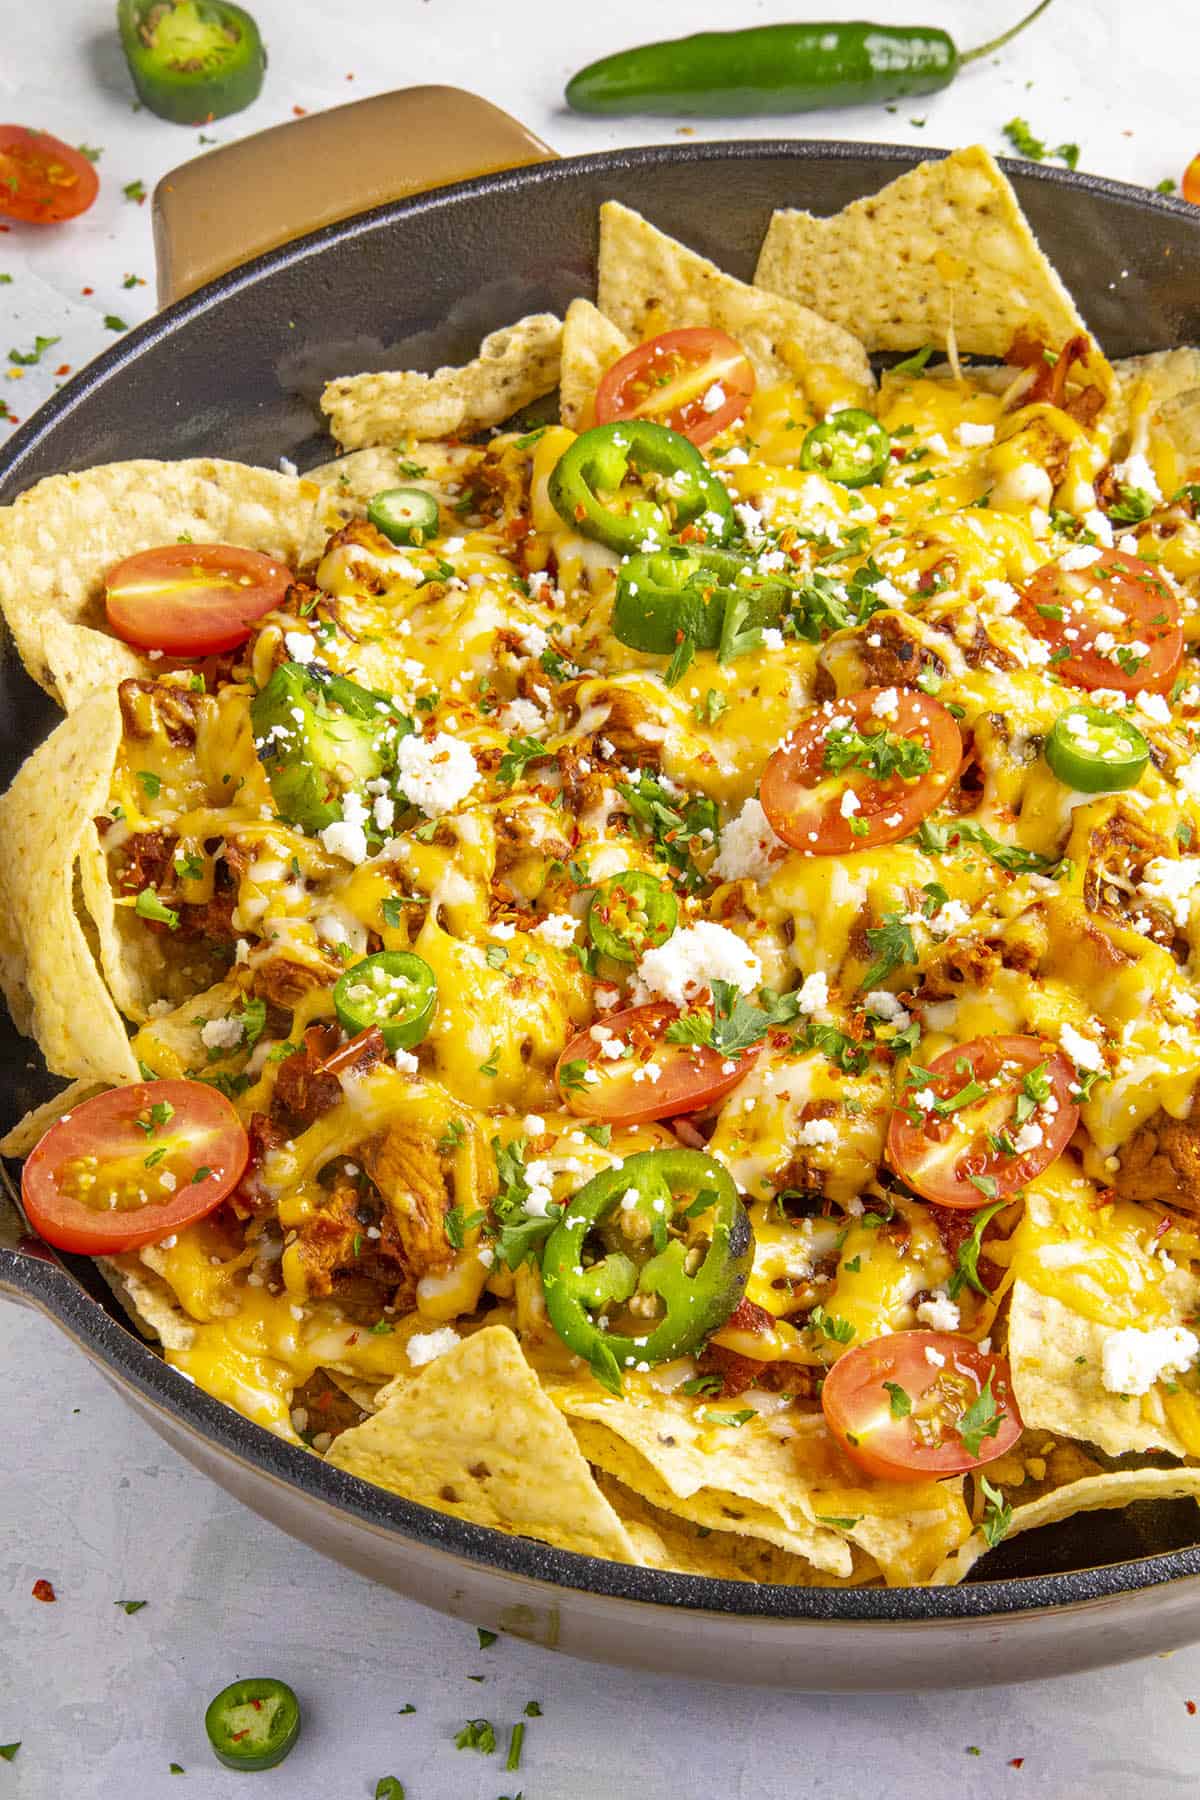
966, 1270
520, 752
997, 1516
981, 1419
891, 944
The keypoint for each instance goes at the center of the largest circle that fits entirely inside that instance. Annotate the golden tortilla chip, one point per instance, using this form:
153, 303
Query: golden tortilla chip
785, 1465
944, 248
58, 541
649, 283
709, 1508
1101, 1492
591, 345
149, 1301
348, 483
1056, 1355
49, 969
664, 1540
514, 367
475, 1436
19, 1141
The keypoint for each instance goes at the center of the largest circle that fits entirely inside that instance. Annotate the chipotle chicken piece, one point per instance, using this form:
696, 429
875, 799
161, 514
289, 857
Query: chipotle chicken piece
738, 1372
420, 1186
339, 1257
1160, 1165
890, 650
158, 709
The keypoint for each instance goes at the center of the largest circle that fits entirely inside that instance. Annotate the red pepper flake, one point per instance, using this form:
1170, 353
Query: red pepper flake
299, 111
44, 1590
1191, 1706
63, 369
1016, 1762
87, 290
349, 78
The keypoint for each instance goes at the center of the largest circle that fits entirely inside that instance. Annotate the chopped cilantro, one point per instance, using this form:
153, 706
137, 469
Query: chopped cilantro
732, 1023
891, 944
703, 1384
131, 1606
388, 1788
520, 752
486, 1638
899, 1400
515, 1741
9, 1751
26, 358
135, 190
997, 1516
839, 1330
149, 906
113, 323
966, 1270
981, 1419
881, 753
912, 365
729, 1418
477, 1734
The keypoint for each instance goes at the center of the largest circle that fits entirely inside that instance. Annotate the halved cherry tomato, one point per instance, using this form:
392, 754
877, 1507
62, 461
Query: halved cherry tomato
906, 1415
697, 381
1189, 187
993, 1113
192, 599
42, 180
133, 1165
1113, 624
803, 791
648, 1078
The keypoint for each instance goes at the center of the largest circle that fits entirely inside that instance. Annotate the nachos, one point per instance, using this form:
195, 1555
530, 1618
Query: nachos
632, 974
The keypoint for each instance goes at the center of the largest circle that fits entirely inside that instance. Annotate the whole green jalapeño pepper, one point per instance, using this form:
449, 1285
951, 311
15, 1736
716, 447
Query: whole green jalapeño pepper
589, 490
667, 595
633, 1234
778, 68
191, 60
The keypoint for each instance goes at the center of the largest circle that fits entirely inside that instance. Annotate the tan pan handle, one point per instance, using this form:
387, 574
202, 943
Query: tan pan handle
221, 209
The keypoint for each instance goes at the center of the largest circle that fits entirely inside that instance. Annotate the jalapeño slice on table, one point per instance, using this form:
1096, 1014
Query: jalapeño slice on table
850, 447
392, 989
191, 60
630, 914
253, 1723
1096, 752
406, 515
590, 491
320, 736
670, 595
668, 1229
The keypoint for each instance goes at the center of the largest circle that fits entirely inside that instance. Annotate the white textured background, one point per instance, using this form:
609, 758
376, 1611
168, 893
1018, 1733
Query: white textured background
103, 1701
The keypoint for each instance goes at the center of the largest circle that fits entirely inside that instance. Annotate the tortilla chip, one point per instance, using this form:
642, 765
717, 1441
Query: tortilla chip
664, 1540
944, 247
648, 283
19, 1141
59, 539
514, 367
148, 1300
475, 1436
784, 1465
591, 345
348, 483
708, 1508
1104, 1492
50, 973
1056, 1355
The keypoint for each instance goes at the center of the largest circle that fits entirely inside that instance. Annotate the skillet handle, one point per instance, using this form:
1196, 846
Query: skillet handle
219, 210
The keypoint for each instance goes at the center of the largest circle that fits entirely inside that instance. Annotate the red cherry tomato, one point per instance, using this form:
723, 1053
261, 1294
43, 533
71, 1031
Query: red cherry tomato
907, 1416
133, 1165
192, 599
696, 380
803, 790
42, 180
1117, 620
679, 1078
1190, 185
983, 1092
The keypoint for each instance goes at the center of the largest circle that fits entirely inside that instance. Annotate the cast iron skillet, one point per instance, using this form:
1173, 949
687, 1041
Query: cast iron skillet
234, 370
